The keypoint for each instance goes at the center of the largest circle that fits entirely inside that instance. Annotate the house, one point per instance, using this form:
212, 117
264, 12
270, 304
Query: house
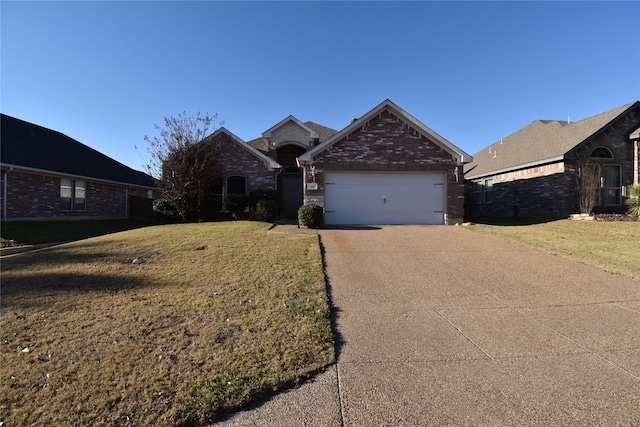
534, 172
385, 167
48, 175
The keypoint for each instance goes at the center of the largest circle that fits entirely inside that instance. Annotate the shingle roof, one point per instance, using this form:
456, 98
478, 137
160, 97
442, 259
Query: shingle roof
539, 142
28, 145
323, 131
261, 144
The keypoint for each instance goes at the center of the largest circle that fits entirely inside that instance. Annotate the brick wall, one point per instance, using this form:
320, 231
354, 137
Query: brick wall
236, 161
290, 131
386, 143
36, 196
537, 196
550, 190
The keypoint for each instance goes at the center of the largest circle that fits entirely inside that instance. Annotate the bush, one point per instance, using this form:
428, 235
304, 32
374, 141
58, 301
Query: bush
633, 200
163, 207
267, 210
257, 195
237, 204
310, 216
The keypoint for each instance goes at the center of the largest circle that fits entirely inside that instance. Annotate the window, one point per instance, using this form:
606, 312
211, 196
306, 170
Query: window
602, 153
483, 191
488, 191
73, 195
477, 189
236, 185
80, 196
66, 195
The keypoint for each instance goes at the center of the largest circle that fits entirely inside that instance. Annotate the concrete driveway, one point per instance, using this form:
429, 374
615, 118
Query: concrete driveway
442, 326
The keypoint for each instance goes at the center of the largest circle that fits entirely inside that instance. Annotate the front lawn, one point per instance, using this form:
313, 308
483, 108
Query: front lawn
611, 246
213, 316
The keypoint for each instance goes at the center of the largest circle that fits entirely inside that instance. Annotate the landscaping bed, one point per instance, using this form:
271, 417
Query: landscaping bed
213, 316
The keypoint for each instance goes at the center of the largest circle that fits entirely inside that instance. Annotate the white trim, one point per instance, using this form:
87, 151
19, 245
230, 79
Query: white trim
515, 168
312, 134
461, 156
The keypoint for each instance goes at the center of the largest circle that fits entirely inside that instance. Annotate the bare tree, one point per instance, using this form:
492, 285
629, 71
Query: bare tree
588, 184
184, 162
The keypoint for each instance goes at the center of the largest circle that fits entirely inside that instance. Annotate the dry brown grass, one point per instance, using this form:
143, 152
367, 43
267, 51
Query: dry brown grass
215, 315
611, 246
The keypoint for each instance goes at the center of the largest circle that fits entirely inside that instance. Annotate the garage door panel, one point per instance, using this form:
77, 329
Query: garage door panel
384, 198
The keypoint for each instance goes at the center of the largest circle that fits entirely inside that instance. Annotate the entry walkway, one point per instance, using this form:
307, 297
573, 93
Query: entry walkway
442, 326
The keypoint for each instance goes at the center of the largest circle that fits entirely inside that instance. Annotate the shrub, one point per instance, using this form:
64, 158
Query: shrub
633, 200
237, 204
163, 207
267, 210
310, 215
257, 195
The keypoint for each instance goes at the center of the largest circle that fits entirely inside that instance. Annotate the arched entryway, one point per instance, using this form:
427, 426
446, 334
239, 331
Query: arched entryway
290, 180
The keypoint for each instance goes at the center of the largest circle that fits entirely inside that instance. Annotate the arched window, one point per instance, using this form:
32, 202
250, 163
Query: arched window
602, 153
236, 185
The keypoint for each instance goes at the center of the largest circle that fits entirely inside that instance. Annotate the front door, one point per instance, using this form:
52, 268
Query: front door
291, 195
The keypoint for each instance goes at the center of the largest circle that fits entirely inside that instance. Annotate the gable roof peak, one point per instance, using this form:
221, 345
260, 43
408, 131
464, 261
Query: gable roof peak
387, 104
290, 118
268, 161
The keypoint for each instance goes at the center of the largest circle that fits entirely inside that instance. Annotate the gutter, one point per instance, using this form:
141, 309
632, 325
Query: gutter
82, 177
516, 167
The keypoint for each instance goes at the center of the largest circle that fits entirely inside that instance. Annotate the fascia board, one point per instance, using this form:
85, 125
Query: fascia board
18, 168
271, 164
516, 167
312, 133
421, 127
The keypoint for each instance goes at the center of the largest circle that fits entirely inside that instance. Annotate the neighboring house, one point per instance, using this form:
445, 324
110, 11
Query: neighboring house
383, 168
48, 175
534, 171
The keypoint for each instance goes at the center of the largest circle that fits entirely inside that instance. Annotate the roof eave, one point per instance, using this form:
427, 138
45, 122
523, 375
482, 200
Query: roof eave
70, 175
462, 156
516, 167
313, 134
271, 164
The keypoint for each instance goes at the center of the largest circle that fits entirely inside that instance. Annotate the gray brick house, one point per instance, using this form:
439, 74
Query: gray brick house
48, 175
534, 171
385, 167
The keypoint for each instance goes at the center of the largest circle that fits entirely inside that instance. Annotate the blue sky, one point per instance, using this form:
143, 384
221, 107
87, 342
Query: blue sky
105, 73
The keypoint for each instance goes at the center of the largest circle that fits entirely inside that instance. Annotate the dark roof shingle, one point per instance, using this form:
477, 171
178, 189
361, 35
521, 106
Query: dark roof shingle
28, 145
540, 141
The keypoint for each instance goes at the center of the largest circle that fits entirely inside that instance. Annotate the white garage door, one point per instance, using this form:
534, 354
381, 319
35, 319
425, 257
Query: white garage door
384, 197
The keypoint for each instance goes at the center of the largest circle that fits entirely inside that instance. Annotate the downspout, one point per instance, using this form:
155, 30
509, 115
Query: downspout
4, 192
636, 179
126, 202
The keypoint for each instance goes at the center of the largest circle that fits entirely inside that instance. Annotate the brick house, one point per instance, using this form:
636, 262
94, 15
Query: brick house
48, 175
384, 168
534, 171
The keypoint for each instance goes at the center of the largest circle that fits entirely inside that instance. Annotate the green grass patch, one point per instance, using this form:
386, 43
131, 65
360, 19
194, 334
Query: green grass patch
611, 246
215, 315
36, 232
